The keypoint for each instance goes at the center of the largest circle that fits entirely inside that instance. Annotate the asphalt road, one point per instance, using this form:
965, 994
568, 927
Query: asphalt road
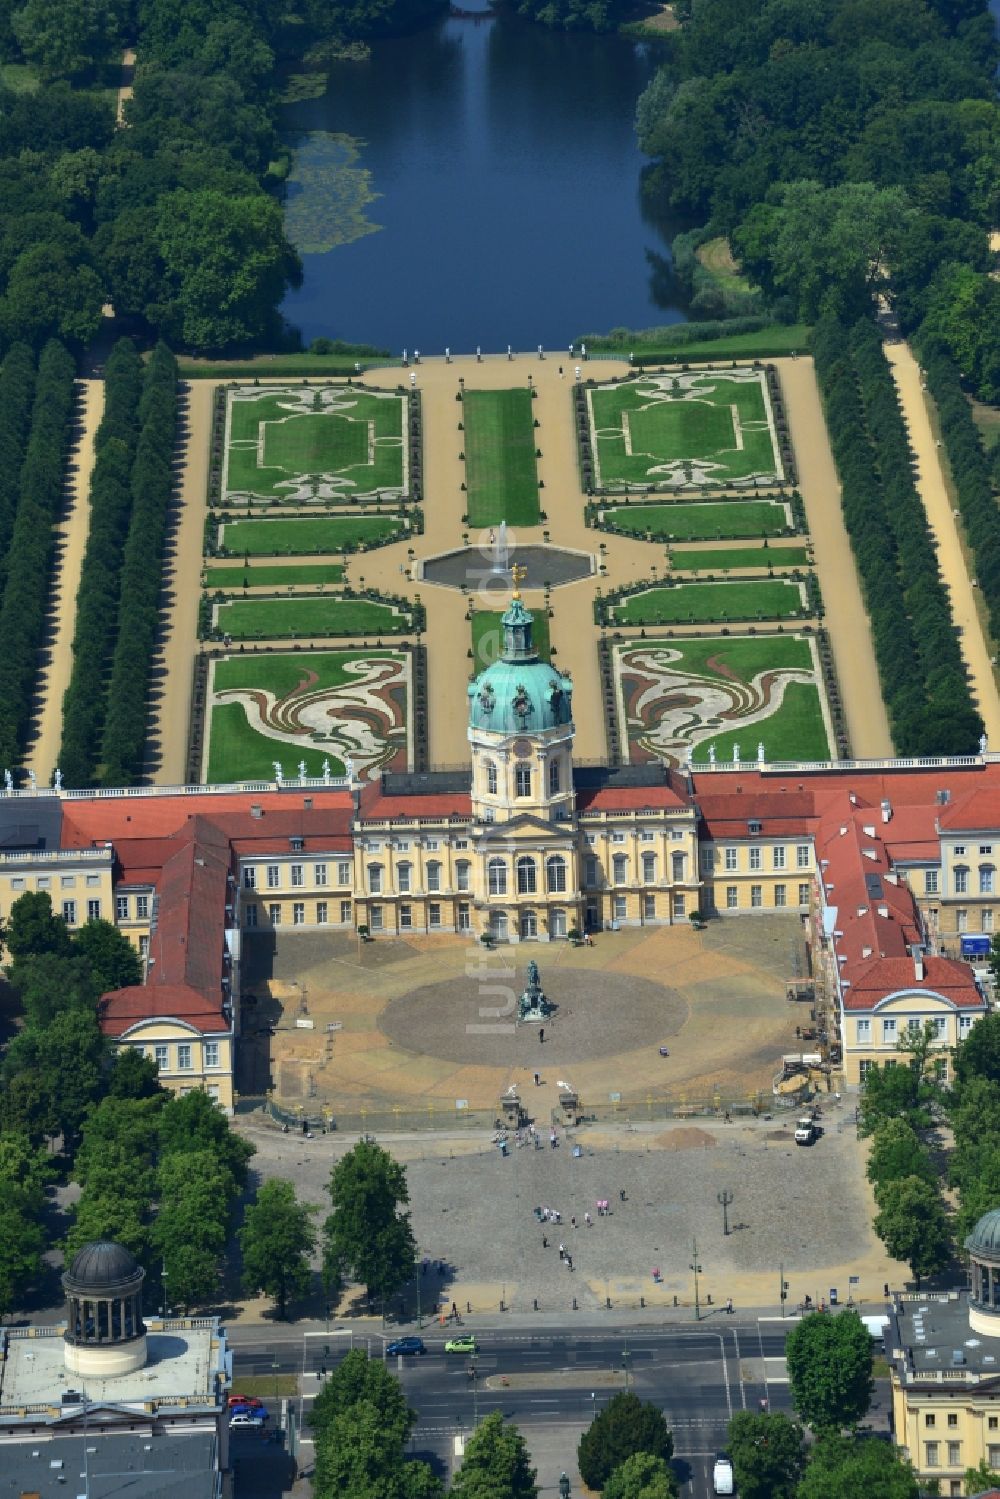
699, 1374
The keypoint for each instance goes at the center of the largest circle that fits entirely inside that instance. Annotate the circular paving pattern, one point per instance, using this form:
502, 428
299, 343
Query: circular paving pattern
473, 568
471, 1020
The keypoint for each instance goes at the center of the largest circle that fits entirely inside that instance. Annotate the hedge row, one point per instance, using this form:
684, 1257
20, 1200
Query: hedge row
970, 470
29, 560
919, 662
97, 600
141, 574
17, 391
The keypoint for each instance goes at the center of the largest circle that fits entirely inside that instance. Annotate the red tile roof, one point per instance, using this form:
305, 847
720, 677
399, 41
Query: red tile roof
98, 820
123, 1008
626, 799
979, 809
871, 982
380, 808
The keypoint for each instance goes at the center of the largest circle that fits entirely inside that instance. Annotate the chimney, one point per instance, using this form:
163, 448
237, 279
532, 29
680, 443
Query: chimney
918, 967
886, 810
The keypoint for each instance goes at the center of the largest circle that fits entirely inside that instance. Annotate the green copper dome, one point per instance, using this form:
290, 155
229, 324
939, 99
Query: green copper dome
519, 694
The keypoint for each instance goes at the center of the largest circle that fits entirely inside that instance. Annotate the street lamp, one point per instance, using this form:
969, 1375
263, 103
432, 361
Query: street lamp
724, 1198
696, 1268
593, 1405
625, 1358
275, 1366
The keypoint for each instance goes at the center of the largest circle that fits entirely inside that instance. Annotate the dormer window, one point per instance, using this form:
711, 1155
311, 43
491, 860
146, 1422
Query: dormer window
753, 827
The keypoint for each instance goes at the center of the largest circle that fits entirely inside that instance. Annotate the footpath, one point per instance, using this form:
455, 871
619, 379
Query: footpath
42, 751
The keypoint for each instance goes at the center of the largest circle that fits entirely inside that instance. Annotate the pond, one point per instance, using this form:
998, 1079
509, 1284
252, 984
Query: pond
477, 183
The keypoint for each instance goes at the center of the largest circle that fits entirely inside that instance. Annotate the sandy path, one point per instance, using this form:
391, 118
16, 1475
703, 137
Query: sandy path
71, 540
933, 491
125, 89
846, 620
171, 711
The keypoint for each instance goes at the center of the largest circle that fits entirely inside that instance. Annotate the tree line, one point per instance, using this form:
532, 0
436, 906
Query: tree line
916, 650
839, 146
27, 577
97, 600
151, 483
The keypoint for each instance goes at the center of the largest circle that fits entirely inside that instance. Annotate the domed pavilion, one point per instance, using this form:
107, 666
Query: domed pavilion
105, 1334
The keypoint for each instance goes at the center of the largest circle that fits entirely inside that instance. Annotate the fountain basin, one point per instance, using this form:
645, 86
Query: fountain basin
476, 570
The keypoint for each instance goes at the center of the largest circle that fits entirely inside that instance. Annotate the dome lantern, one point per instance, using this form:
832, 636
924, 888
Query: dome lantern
105, 1334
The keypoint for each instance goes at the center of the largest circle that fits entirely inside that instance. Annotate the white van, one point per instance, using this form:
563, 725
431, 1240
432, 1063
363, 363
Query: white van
256, 1421
722, 1476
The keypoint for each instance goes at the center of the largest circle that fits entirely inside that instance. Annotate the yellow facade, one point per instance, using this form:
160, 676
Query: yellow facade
758, 874
872, 1039
187, 1058
78, 881
946, 1430
967, 897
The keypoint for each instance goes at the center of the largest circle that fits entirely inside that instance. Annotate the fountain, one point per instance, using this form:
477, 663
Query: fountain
501, 549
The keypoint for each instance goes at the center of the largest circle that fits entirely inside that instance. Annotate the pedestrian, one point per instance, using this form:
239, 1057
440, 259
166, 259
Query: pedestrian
454, 1309
578, 372
569, 1261
621, 1195
545, 1242
573, 1221
588, 1220
537, 1079
562, 1251
413, 379
561, 373
541, 1033
729, 1305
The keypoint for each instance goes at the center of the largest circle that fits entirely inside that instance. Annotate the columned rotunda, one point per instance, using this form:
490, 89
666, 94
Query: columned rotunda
105, 1334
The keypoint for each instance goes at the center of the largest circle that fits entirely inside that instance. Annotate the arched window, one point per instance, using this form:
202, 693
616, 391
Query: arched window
677, 865
434, 875
497, 871
648, 868
526, 876
553, 777
403, 878
522, 780
555, 872
620, 868
529, 924
491, 778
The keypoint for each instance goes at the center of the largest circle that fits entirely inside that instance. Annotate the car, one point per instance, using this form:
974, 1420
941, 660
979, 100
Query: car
257, 1409
805, 1131
464, 1344
248, 1400
405, 1345
252, 1419
722, 1476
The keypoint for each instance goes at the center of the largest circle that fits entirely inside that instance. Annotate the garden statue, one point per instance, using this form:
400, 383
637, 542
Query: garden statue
279, 774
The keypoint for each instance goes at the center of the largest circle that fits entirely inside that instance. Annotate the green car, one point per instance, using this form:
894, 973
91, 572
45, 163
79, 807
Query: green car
467, 1344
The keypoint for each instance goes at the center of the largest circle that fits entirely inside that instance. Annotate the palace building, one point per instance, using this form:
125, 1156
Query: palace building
889, 865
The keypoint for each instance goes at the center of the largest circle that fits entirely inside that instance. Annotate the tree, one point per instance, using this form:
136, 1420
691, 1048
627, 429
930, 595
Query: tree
625, 1426
496, 1465
32, 928
978, 1056
355, 1461
358, 1379
642, 1476
67, 1061
979, 1480
830, 1370
193, 1122
228, 263
113, 960
277, 1240
22, 1244
366, 1235
768, 1455
852, 1468
48, 983
913, 1225
51, 294
134, 1076
65, 38
896, 1152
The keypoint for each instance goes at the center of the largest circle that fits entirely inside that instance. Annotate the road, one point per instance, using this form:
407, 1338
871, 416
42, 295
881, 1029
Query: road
699, 1374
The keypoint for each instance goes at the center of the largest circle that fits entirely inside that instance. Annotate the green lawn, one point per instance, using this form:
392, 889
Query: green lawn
500, 471
302, 618
768, 598
701, 522
260, 575
313, 442
709, 427
765, 343
717, 561
487, 636
300, 535
676, 689
328, 693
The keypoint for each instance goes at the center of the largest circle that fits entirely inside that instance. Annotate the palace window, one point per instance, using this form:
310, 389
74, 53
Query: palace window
403, 872
755, 858
142, 907
986, 879
273, 876
649, 868
732, 858
463, 875
802, 856
434, 875
298, 913
526, 876
961, 881
620, 868
319, 874
375, 879
297, 876
491, 778
781, 895
497, 872
322, 913
522, 780
555, 873
211, 1053
677, 868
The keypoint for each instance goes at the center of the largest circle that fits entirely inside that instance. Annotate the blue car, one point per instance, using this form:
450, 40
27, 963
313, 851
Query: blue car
405, 1345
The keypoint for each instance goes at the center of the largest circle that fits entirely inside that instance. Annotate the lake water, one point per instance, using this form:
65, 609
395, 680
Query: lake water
500, 164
